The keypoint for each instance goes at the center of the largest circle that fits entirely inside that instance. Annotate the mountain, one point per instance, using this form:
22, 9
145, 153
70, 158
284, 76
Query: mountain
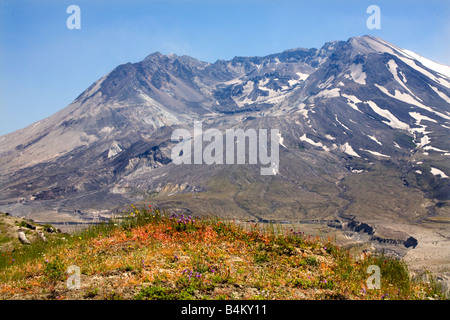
363, 125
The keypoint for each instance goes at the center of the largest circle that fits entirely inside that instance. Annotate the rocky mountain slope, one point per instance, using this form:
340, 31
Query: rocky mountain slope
363, 128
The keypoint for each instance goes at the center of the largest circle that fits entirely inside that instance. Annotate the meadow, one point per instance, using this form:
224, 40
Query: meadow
146, 253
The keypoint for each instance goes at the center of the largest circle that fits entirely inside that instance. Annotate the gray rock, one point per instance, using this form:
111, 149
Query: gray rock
42, 236
23, 239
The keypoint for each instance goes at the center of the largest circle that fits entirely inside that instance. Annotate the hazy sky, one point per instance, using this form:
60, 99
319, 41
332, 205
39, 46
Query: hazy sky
44, 66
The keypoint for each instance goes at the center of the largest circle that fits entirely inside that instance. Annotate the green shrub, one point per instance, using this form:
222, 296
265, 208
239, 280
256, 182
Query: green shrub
312, 261
261, 257
55, 270
156, 293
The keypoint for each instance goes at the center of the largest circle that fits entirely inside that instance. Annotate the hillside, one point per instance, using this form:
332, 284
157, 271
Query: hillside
148, 254
11, 226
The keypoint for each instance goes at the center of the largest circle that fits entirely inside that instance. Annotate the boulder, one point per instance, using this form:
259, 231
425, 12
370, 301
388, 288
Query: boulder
42, 235
23, 239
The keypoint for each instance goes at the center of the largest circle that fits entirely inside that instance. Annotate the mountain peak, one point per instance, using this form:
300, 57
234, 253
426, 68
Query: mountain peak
369, 44
154, 56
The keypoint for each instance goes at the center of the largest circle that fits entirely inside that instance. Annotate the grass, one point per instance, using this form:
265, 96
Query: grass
148, 254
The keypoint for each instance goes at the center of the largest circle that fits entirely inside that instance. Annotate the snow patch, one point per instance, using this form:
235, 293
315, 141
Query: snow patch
333, 93
302, 110
263, 83
434, 149
393, 68
410, 100
375, 153
440, 68
419, 117
436, 172
352, 101
312, 142
357, 74
409, 61
375, 139
393, 121
232, 81
302, 76
292, 82
107, 129
280, 139
423, 141
335, 116
441, 94
114, 150
346, 148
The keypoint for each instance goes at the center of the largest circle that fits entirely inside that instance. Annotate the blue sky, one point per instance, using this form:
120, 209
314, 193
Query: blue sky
44, 66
